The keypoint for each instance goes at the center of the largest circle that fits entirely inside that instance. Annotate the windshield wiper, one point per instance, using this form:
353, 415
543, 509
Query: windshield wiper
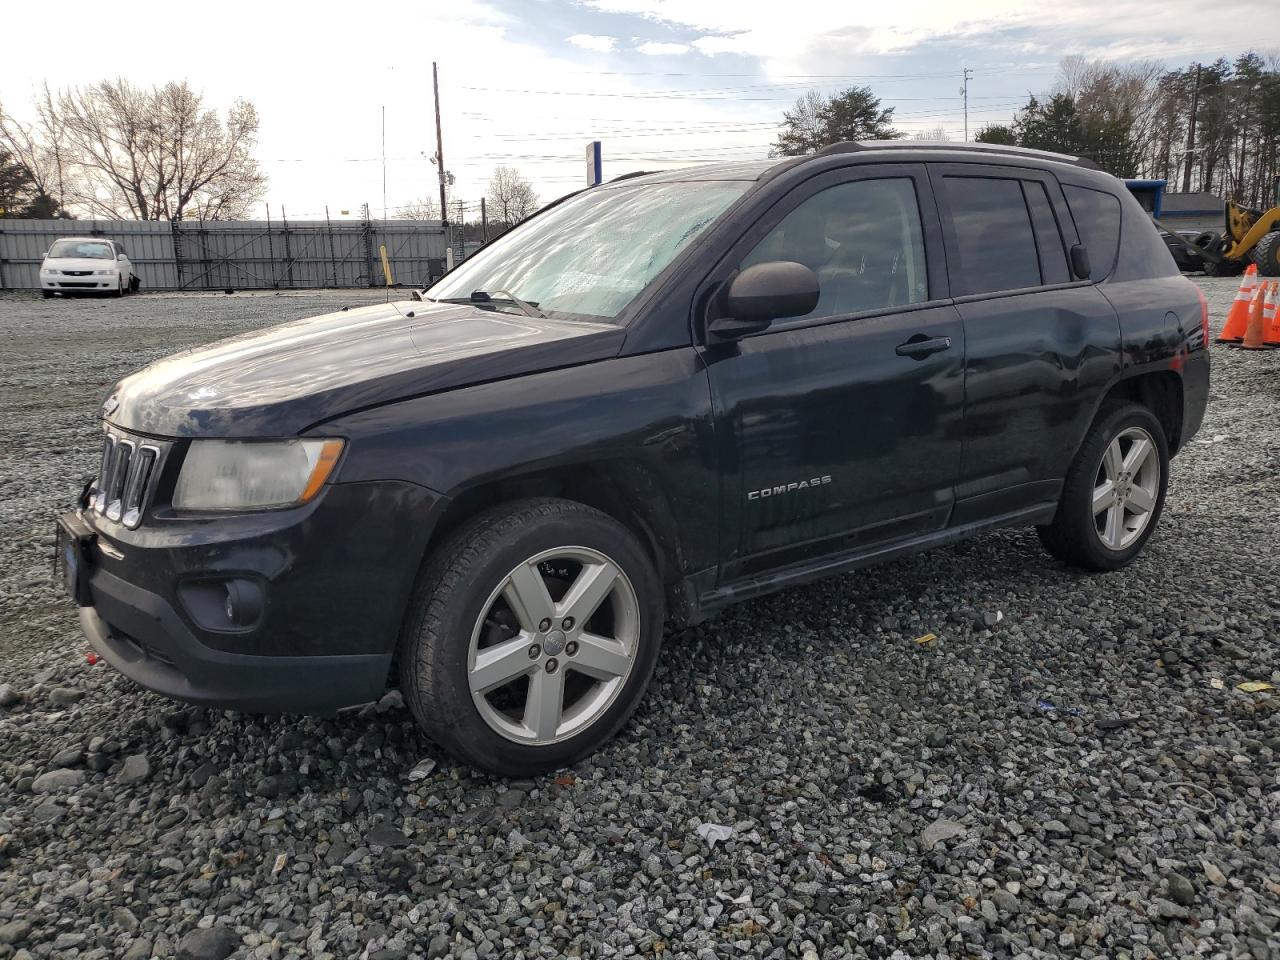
481, 296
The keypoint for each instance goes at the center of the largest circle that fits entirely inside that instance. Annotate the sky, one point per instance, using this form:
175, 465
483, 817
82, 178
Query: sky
528, 83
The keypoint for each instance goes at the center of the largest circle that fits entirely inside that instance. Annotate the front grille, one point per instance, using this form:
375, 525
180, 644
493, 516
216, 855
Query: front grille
77, 273
76, 283
126, 478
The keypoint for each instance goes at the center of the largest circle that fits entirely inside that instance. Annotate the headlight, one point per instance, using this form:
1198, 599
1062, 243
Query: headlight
49, 270
250, 475
104, 273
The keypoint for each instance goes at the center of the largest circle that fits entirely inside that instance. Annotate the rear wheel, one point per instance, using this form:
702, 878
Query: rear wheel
1114, 491
1266, 254
533, 636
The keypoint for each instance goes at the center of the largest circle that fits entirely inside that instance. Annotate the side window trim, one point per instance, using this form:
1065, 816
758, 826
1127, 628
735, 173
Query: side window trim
1054, 228
1035, 235
785, 203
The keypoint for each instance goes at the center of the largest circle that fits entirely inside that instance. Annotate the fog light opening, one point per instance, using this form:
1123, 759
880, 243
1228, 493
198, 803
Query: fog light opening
242, 603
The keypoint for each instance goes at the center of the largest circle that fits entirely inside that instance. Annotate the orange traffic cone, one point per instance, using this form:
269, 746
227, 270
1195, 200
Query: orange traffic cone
1271, 316
1253, 333
1238, 317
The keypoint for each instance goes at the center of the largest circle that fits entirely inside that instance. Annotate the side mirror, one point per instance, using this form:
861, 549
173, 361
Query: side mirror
1080, 262
763, 293
121, 257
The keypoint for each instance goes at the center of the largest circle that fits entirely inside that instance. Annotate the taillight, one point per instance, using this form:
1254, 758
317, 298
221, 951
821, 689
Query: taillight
1204, 318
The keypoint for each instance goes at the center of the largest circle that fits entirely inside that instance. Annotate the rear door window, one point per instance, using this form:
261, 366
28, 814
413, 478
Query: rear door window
994, 239
1097, 217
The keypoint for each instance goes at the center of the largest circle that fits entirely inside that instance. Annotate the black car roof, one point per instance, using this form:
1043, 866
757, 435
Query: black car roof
926, 149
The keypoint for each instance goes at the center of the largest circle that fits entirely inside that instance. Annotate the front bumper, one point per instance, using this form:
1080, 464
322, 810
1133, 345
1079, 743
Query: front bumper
334, 580
63, 284
146, 640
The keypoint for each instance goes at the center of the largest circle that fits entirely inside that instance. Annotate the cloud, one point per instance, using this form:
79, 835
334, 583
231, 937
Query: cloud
592, 41
654, 48
754, 27
713, 44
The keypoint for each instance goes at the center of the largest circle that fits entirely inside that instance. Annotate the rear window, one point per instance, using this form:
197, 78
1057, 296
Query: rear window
996, 245
1097, 217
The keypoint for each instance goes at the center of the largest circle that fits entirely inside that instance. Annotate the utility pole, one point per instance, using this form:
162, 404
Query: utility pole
444, 211
965, 92
1191, 134
484, 223
384, 162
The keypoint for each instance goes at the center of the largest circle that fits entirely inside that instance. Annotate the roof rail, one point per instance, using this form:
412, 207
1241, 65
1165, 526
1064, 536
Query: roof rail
994, 149
628, 176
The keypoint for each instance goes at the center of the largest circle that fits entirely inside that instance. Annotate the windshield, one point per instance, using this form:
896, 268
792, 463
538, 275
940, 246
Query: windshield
89, 249
593, 253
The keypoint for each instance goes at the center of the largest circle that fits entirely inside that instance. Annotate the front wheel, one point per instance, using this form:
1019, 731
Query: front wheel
1114, 491
1266, 254
532, 637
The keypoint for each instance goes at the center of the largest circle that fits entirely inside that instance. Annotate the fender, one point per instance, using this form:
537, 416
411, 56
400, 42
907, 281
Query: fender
629, 435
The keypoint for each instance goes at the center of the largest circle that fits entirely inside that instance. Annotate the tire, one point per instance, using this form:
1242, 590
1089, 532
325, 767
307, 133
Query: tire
460, 611
1224, 268
119, 288
1266, 254
47, 294
1074, 536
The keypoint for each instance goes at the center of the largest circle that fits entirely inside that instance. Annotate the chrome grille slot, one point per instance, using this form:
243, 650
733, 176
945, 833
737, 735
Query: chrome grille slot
119, 475
99, 493
135, 487
129, 471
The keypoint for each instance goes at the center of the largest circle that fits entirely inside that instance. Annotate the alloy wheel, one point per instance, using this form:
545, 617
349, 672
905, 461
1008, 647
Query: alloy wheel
553, 645
1126, 488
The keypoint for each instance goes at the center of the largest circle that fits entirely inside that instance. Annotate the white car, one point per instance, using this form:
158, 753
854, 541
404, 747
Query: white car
87, 265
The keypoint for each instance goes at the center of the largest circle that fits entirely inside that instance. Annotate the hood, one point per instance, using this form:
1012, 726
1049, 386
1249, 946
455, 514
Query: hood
282, 380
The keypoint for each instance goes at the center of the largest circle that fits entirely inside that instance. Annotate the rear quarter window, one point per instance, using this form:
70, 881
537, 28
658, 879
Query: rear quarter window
1097, 217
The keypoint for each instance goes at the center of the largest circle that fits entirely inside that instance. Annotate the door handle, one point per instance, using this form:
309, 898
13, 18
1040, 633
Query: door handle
920, 346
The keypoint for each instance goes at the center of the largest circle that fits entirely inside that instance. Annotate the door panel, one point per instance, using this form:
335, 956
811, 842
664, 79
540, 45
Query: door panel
1037, 358
1036, 365
837, 439
842, 428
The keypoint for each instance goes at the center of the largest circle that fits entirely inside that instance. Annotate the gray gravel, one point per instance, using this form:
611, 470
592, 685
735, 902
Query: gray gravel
1079, 777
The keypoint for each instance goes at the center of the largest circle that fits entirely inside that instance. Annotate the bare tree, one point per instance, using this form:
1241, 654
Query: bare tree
424, 208
125, 152
938, 134
40, 148
1118, 108
511, 198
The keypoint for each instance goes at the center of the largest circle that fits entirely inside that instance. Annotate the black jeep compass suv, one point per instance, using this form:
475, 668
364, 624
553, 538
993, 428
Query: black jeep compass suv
654, 398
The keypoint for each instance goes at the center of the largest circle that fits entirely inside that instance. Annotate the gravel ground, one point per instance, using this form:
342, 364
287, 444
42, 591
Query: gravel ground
1068, 770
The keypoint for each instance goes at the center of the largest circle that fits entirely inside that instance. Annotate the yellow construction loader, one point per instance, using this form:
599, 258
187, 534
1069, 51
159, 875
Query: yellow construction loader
1251, 236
